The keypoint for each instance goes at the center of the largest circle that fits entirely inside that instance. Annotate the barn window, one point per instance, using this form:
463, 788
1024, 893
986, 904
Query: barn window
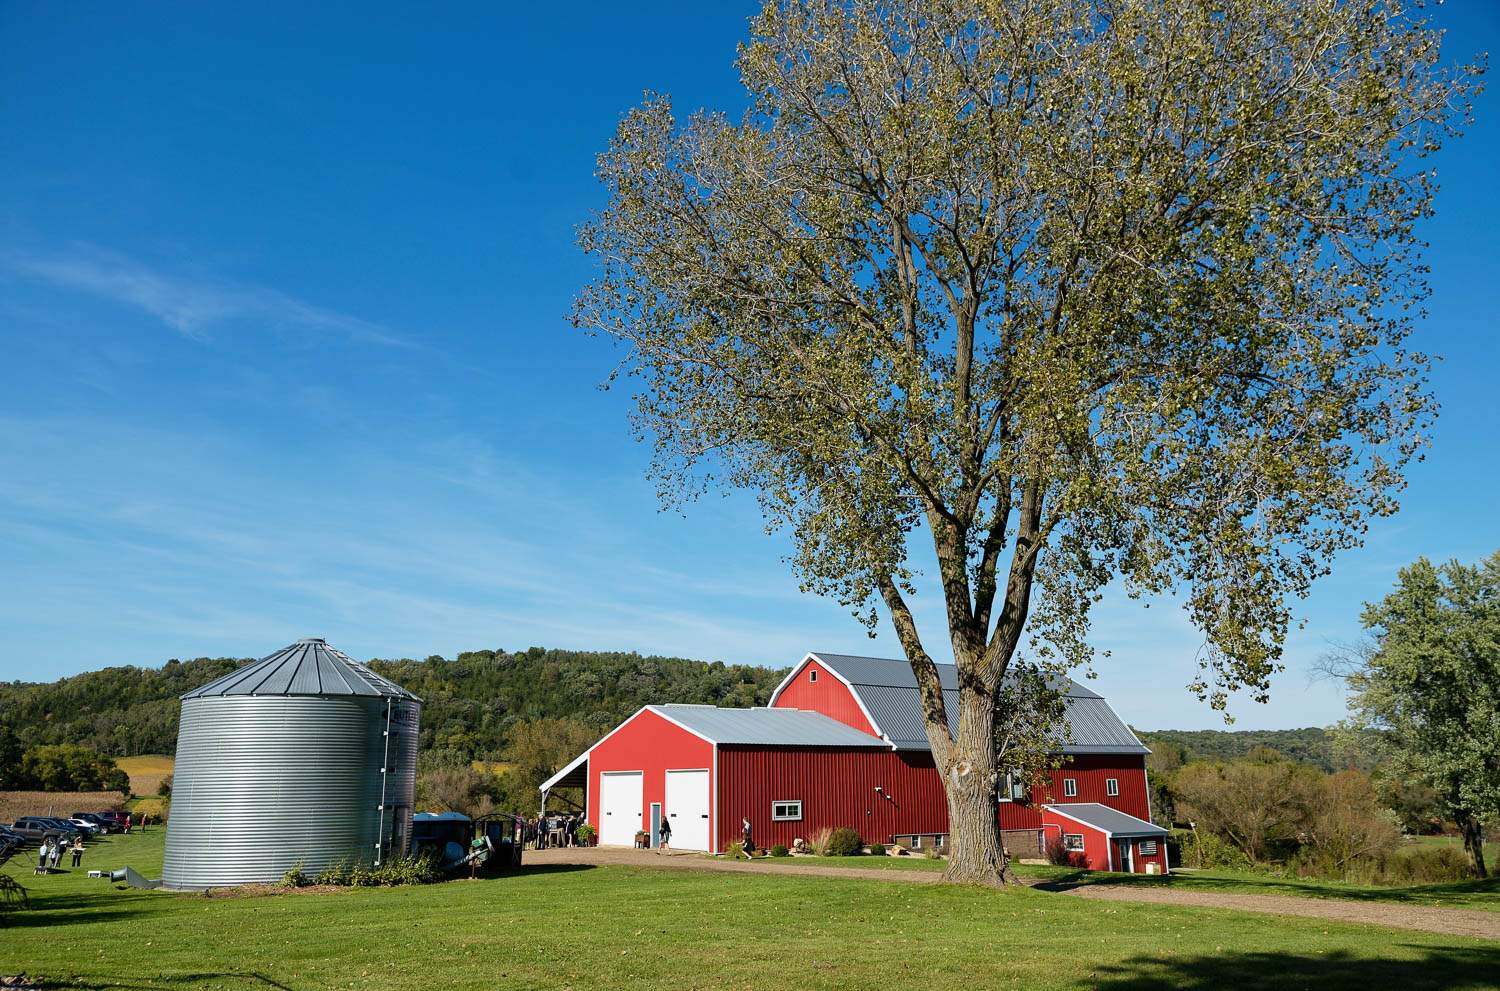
1070, 787
1148, 848
1015, 787
1072, 841
1111, 786
786, 811
812, 675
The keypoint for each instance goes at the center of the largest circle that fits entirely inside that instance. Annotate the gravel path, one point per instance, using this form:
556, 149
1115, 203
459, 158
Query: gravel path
1451, 921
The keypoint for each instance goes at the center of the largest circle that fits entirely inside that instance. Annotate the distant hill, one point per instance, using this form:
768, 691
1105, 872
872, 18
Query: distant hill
1311, 745
471, 701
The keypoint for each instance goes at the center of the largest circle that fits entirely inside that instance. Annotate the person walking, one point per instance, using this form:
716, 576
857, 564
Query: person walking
78, 852
664, 835
747, 842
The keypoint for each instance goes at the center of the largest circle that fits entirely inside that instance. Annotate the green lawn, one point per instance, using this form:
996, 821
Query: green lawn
615, 927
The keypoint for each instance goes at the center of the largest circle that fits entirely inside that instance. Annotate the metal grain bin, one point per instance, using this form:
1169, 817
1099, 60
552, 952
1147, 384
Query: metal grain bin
304, 757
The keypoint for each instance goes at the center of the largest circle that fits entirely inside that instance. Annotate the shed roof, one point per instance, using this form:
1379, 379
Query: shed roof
765, 727
308, 667
889, 692
1102, 817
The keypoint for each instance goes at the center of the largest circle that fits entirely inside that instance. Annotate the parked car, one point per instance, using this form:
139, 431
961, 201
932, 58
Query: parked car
107, 825
10, 836
37, 828
120, 819
63, 826
90, 829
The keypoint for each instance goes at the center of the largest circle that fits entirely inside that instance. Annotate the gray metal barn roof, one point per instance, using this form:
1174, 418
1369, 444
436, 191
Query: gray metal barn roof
1110, 820
766, 727
307, 667
889, 691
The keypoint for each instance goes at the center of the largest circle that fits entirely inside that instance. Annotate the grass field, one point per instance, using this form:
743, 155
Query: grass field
146, 771
1461, 894
618, 927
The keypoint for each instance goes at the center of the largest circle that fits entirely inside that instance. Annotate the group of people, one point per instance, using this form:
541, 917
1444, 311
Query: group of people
554, 829
49, 855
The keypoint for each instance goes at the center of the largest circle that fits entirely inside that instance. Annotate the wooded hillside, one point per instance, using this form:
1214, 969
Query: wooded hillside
471, 702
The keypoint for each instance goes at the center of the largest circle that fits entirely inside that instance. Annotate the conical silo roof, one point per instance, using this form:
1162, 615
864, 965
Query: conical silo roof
308, 667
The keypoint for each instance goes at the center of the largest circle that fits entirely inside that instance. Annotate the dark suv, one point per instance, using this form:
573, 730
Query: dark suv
38, 828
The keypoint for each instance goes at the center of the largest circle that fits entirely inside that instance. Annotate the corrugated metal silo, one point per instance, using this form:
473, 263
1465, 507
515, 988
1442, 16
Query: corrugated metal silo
305, 756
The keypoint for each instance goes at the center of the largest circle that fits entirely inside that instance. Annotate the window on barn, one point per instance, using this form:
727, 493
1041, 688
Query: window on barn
1015, 788
812, 675
1148, 848
1072, 841
1111, 786
786, 811
1070, 787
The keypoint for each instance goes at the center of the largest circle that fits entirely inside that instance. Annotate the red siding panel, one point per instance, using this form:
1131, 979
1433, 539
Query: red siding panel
827, 695
648, 743
836, 788
1095, 842
1091, 773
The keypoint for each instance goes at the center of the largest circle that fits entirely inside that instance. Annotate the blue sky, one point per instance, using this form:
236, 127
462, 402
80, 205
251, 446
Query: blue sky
283, 312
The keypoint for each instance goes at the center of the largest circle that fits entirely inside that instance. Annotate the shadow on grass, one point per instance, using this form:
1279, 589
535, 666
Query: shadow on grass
94, 982
1451, 969
1426, 894
529, 870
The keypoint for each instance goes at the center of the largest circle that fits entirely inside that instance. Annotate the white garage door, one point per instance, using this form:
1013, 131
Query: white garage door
687, 809
619, 807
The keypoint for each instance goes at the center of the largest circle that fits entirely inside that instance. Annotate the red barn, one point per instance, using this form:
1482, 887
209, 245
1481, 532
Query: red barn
842, 744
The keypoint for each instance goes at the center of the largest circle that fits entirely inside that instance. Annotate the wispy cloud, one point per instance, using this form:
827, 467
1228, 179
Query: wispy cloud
196, 307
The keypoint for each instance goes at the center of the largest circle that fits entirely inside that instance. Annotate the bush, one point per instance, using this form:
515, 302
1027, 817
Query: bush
1201, 848
735, 850
842, 842
363, 877
295, 878
780, 851
164, 788
1423, 864
818, 841
876, 850
586, 834
405, 870
333, 874
1057, 854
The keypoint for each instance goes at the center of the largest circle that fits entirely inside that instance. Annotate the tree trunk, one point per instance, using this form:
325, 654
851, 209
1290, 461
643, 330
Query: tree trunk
1473, 833
975, 852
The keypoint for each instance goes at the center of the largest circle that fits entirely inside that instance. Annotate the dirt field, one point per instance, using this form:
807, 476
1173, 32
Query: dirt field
1451, 921
14, 804
146, 772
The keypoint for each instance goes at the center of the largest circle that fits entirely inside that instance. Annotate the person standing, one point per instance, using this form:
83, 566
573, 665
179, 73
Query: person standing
42, 853
78, 851
664, 835
55, 857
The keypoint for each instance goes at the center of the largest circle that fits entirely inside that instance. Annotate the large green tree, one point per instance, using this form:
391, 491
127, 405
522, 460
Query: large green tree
1428, 684
1072, 289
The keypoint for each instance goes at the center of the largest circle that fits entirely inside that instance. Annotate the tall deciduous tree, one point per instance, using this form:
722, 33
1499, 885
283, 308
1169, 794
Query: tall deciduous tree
1429, 685
1075, 289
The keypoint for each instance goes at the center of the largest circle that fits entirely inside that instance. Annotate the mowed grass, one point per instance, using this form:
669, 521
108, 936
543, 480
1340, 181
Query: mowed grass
615, 927
1459, 894
146, 771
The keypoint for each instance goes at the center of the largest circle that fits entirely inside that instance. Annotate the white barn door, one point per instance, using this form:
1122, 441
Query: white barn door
687, 809
619, 807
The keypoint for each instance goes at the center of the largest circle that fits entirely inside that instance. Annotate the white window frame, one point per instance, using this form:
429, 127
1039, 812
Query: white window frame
1112, 787
812, 674
1068, 840
784, 815
1147, 848
1070, 787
